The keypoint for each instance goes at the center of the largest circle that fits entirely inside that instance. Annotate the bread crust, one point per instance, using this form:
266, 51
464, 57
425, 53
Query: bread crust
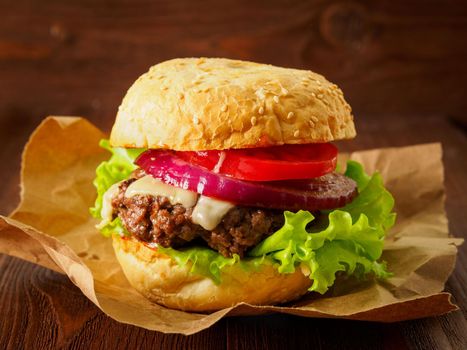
193, 104
162, 280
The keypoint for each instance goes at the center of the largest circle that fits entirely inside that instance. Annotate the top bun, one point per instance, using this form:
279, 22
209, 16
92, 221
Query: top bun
194, 104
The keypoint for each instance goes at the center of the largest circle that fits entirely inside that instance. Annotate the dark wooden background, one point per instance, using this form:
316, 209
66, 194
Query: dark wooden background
401, 64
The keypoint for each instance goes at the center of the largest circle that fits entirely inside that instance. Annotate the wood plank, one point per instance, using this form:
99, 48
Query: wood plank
42, 309
401, 65
80, 57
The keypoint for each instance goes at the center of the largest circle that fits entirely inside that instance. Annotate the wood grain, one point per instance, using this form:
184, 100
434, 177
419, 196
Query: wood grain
79, 58
401, 65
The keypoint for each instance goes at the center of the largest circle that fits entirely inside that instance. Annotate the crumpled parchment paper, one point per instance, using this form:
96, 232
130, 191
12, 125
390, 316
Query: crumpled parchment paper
52, 227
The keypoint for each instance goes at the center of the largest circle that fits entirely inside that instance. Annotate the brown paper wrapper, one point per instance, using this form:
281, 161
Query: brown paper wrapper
52, 227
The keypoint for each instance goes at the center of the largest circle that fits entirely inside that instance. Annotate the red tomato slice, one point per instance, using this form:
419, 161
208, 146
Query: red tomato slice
270, 163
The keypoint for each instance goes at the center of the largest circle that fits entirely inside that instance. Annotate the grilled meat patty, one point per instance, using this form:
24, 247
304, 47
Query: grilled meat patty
155, 219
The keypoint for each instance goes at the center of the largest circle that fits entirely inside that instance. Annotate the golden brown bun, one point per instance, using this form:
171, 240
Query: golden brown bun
161, 280
216, 103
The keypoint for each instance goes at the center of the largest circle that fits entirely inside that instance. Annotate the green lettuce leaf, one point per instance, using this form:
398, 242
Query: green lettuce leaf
351, 239
115, 226
209, 263
373, 199
117, 168
342, 246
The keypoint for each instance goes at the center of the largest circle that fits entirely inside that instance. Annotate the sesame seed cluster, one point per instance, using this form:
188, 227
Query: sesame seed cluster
213, 103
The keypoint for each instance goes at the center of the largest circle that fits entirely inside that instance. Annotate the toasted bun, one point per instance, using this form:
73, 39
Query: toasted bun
161, 280
214, 103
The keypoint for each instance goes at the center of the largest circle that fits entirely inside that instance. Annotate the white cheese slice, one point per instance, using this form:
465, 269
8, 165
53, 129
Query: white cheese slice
148, 185
107, 210
209, 212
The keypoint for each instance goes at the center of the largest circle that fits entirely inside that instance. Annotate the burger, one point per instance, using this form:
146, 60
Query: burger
221, 187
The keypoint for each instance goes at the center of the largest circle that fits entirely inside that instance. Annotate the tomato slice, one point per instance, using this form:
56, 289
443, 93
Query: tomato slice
270, 163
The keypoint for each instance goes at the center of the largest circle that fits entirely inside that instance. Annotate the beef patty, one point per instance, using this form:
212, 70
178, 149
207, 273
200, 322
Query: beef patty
155, 219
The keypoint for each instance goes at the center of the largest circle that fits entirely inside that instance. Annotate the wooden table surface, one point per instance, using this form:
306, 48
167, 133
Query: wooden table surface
401, 65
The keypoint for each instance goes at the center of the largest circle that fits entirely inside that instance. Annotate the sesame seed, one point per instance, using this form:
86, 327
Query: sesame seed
223, 108
284, 91
313, 94
260, 93
312, 125
296, 133
318, 82
253, 120
276, 99
320, 96
290, 115
261, 110
195, 120
165, 88
314, 119
181, 96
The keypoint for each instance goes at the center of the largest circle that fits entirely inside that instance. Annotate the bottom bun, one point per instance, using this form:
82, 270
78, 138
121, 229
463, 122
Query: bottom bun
161, 280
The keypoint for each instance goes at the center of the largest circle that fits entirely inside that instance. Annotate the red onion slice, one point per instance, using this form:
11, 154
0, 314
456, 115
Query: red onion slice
327, 192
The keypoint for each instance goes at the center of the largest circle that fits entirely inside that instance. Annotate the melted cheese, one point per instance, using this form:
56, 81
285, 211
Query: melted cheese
107, 209
209, 212
148, 185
